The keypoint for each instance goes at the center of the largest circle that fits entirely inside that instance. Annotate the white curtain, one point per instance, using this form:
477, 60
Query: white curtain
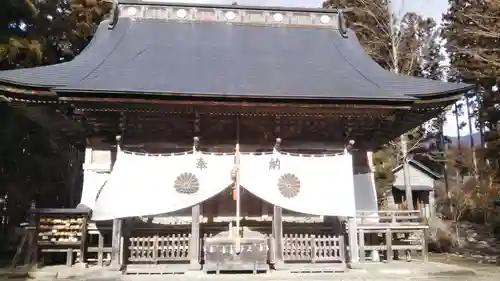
315, 185
92, 182
144, 185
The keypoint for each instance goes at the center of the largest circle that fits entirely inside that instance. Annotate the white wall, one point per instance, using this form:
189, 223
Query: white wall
417, 178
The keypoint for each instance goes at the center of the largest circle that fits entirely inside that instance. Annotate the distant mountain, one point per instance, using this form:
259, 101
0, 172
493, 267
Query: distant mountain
465, 140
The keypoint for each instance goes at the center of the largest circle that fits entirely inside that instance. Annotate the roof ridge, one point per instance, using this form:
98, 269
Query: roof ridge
227, 6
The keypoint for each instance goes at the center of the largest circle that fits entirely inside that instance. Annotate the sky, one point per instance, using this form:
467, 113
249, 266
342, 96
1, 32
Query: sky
428, 8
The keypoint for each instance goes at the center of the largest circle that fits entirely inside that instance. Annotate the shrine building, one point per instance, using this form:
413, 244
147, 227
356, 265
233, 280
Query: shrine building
226, 137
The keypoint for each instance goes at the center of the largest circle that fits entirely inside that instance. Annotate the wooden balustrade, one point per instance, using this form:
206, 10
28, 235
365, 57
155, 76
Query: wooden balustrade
312, 248
154, 245
389, 233
392, 232
158, 248
391, 217
99, 244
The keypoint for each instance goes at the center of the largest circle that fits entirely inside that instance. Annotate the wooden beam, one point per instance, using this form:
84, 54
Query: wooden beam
349, 121
145, 145
239, 103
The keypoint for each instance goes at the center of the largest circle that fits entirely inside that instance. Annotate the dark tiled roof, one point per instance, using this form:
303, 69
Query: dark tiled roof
152, 56
70, 73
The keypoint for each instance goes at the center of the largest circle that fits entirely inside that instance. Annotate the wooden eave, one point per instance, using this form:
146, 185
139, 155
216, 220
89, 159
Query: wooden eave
381, 120
419, 166
10, 89
230, 106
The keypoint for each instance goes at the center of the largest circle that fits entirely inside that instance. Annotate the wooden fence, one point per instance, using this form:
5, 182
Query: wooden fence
387, 233
311, 248
385, 217
99, 244
391, 233
159, 248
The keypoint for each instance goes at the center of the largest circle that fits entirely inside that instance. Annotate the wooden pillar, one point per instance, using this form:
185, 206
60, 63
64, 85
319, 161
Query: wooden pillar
371, 171
371, 168
194, 243
432, 204
406, 173
353, 241
116, 243
277, 232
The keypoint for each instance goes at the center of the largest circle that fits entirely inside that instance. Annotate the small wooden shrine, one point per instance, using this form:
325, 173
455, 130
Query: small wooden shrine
422, 182
228, 84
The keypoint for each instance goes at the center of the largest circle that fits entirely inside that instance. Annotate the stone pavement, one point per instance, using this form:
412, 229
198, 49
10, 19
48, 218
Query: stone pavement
411, 271
416, 268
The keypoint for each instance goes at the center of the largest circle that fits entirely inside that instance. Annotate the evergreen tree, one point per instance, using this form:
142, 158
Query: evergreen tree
432, 55
17, 47
472, 33
34, 163
46, 32
472, 30
406, 44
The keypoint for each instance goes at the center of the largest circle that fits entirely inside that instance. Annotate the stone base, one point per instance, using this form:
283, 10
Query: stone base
115, 267
194, 267
280, 266
157, 269
354, 265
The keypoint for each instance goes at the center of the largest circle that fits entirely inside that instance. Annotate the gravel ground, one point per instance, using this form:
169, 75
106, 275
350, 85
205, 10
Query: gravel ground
330, 278
479, 267
484, 272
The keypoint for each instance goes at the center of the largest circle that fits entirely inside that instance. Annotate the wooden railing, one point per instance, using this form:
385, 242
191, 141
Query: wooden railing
99, 244
312, 248
391, 217
157, 248
392, 233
